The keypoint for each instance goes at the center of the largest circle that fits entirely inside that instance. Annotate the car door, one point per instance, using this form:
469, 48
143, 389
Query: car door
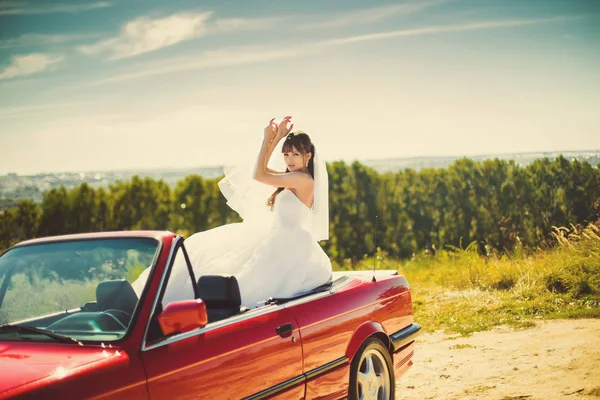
251, 355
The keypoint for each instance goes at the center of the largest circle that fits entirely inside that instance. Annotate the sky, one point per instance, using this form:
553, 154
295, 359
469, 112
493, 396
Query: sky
104, 85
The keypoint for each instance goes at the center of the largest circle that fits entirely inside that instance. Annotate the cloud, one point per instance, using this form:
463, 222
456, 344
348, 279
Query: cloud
34, 39
430, 30
25, 8
370, 15
256, 54
209, 59
227, 25
29, 64
143, 35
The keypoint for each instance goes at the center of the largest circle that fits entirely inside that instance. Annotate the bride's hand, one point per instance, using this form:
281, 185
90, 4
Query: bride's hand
271, 130
284, 127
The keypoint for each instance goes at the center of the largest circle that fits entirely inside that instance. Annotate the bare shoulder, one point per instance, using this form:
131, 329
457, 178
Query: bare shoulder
302, 177
295, 179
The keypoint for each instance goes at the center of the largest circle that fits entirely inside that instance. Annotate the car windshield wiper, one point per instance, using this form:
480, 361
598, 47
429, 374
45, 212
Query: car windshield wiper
45, 332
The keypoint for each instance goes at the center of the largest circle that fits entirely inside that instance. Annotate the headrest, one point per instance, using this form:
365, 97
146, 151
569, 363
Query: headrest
220, 291
116, 294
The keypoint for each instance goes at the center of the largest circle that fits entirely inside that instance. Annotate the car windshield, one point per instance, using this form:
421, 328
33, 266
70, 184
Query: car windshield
81, 289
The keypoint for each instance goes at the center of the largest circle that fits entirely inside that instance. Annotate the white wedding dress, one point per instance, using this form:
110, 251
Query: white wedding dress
277, 256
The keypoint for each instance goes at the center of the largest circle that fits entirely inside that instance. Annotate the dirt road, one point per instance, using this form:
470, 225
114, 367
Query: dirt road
555, 360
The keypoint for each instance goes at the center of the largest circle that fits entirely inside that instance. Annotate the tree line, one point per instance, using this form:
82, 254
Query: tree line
496, 203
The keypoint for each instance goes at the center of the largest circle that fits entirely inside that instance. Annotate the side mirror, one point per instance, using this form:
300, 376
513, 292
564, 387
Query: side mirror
183, 316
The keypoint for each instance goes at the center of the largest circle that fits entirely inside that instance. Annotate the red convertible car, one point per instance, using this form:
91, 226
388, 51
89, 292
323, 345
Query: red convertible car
73, 327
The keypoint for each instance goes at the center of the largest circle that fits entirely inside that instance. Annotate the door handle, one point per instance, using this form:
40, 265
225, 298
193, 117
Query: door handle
284, 329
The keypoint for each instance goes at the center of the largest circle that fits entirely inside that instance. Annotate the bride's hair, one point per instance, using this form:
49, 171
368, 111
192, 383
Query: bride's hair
301, 141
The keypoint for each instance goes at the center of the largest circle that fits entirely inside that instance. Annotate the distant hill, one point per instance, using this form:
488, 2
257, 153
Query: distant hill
14, 186
418, 163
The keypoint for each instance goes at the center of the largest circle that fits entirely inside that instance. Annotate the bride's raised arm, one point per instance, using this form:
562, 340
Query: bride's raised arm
273, 133
272, 145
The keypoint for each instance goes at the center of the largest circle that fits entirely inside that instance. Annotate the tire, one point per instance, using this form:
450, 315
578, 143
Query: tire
372, 372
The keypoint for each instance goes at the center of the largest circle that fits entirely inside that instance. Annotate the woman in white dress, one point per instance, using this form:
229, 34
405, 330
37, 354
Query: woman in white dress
274, 252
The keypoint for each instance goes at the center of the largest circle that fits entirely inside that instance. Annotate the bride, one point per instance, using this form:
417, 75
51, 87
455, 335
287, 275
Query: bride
274, 252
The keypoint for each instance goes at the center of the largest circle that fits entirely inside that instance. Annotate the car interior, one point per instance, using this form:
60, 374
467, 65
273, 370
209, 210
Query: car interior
109, 316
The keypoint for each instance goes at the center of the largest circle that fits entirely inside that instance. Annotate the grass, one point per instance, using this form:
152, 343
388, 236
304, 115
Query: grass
462, 346
460, 291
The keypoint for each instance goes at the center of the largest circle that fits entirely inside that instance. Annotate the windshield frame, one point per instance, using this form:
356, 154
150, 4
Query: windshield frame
159, 241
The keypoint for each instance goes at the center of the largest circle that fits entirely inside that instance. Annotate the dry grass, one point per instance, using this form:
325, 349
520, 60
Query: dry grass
460, 291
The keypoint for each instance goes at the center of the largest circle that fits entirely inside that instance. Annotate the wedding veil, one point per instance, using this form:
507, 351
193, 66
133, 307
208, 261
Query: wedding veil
321, 199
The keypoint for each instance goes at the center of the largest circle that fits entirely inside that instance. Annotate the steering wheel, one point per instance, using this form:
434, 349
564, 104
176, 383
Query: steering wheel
121, 316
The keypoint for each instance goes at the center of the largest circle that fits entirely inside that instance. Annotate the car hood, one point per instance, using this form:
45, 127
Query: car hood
22, 363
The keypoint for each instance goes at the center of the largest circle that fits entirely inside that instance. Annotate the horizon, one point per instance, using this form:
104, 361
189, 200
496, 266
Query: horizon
88, 85
371, 160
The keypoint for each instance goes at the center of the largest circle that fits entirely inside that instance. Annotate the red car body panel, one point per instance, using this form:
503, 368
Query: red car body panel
43, 360
66, 371
336, 326
250, 350
236, 358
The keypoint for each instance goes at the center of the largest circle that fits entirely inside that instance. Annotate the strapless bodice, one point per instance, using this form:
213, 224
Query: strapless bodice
290, 212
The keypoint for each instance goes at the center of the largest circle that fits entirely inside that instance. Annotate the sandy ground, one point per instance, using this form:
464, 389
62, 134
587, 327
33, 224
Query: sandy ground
555, 360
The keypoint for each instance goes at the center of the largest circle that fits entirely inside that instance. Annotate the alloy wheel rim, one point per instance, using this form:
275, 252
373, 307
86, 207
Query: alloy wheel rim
373, 377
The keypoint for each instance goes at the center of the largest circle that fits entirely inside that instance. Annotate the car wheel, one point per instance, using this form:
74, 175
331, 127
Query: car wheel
372, 372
